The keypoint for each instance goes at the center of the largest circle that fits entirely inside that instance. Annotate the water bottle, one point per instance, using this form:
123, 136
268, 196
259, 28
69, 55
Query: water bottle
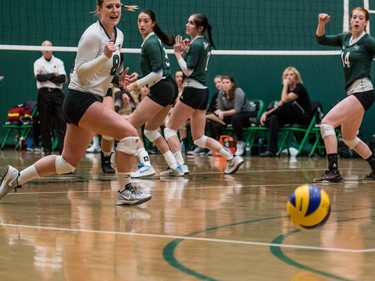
247, 149
260, 145
22, 143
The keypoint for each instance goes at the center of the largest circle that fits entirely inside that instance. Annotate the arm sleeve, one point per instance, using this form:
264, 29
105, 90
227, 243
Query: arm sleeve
60, 79
184, 68
330, 40
151, 78
44, 77
87, 64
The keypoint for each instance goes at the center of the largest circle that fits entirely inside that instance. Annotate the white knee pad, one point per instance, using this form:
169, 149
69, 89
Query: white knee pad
326, 130
128, 145
352, 143
63, 167
152, 135
107, 138
201, 142
169, 133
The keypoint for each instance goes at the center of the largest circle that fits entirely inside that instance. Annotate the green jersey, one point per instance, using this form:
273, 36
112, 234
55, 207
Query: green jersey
197, 58
356, 58
154, 57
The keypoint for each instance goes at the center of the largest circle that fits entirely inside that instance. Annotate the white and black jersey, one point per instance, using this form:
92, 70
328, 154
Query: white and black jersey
91, 49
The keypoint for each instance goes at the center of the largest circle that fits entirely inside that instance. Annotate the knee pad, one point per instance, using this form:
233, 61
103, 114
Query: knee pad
107, 138
169, 133
352, 143
152, 135
201, 142
128, 145
63, 167
327, 130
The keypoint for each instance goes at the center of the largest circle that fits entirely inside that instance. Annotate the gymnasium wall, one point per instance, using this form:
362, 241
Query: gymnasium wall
237, 25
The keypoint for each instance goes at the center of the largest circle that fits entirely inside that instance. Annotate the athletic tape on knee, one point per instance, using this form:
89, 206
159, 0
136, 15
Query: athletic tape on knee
169, 133
63, 167
201, 142
108, 138
128, 145
352, 143
152, 135
326, 130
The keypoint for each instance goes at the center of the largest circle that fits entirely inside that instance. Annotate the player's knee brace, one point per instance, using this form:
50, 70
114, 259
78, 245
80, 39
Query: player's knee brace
201, 142
63, 167
128, 145
169, 133
352, 143
152, 135
327, 130
107, 138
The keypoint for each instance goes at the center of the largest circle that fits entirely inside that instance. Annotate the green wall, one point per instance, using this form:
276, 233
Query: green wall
237, 25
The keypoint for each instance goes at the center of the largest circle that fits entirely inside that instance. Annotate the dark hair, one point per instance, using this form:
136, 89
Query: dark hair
201, 20
166, 39
231, 91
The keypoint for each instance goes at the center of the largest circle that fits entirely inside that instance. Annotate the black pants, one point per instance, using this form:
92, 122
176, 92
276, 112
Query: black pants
285, 114
238, 120
51, 117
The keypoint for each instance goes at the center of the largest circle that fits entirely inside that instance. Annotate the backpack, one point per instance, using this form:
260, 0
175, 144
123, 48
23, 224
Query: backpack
16, 113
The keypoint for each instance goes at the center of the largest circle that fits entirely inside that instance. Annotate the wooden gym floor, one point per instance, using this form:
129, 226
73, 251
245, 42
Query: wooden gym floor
205, 226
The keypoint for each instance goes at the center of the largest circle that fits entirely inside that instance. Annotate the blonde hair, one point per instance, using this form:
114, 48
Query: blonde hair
295, 71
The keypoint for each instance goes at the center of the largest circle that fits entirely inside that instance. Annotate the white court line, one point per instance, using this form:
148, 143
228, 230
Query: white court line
191, 238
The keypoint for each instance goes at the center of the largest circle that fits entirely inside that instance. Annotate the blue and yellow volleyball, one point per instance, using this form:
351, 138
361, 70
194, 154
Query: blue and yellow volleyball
309, 206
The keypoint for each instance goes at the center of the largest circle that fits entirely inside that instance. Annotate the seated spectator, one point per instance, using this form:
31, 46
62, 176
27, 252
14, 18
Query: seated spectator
233, 108
294, 107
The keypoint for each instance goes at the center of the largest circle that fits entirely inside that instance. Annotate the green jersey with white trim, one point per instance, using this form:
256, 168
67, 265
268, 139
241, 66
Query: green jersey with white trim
154, 56
197, 58
356, 58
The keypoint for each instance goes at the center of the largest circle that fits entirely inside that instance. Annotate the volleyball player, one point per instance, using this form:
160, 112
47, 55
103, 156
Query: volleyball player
193, 57
357, 52
154, 108
96, 63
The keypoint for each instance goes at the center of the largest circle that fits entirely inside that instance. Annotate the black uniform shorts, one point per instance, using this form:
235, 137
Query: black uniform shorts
76, 103
365, 98
195, 98
164, 92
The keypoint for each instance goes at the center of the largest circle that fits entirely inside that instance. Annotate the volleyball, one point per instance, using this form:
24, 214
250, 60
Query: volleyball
309, 206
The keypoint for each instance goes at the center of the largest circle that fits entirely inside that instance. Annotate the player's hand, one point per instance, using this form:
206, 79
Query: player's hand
122, 81
177, 47
109, 48
324, 18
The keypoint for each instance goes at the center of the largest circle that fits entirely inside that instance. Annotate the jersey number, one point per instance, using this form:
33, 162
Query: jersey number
116, 62
345, 60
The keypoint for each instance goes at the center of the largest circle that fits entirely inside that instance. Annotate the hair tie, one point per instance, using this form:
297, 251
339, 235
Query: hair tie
130, 8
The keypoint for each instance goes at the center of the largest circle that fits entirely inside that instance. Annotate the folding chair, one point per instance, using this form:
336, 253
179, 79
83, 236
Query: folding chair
253, 129
22, 130
306, 131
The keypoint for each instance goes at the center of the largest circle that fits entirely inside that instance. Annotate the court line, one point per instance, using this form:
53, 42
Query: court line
174, 237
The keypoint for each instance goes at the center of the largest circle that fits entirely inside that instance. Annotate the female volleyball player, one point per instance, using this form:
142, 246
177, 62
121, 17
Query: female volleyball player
97, 60
358, 50
154, 108
193, 57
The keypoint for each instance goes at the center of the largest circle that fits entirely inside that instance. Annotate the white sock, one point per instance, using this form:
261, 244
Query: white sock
179, 158
171, 160
225, 152
143, 156
28, 174
123, 179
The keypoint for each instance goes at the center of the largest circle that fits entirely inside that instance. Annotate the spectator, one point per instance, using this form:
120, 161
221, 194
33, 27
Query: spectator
294, 107
232, 108
50, 76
